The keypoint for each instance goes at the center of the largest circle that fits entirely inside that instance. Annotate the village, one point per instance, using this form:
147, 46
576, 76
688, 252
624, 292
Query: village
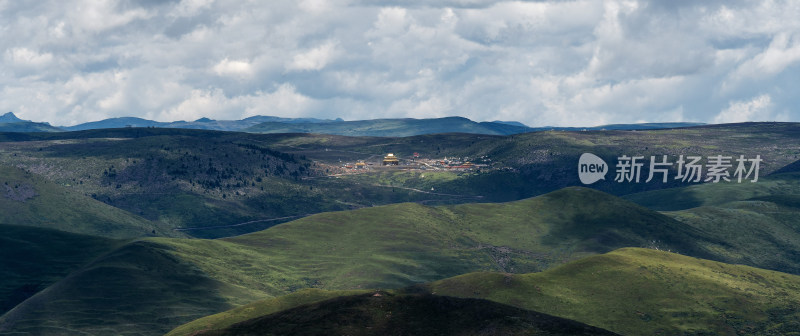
415, 161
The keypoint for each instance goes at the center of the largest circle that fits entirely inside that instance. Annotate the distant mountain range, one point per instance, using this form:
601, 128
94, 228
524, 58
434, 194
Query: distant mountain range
202, 123
411, 127
392, 127
397, 127
10, 123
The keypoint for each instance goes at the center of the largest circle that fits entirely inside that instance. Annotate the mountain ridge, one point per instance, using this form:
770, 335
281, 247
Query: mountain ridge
337, 126
382, 247
9, 122
631, 291
10, 117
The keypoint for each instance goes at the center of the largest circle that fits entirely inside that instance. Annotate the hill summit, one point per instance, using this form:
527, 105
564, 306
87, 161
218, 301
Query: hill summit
10, 118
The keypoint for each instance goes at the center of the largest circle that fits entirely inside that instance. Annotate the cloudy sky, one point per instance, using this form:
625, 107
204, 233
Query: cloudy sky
564, 63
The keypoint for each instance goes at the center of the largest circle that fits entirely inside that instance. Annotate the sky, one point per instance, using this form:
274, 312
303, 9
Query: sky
543, 63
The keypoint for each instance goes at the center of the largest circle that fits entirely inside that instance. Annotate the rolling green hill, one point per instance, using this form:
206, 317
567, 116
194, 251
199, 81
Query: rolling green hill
126, 183
136, 289
169, 182
530, 164
646, 292
390, 314
31, 259
212, 184
392, 246
261, 308
28, 199
716, 194
758, 216
631, 291
218, 184
157, 283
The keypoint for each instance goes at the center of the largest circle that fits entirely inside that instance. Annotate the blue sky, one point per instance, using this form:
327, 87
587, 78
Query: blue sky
563, 63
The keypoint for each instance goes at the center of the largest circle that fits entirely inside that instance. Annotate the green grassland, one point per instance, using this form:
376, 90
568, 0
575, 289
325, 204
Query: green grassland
171, 179
136, 289
390, 314
631, 291
371, 312
757, 217
31, 259
176, 184
210, 182
28, 199
530, 164
395, 245
646, 292
260, 308
715, 194
158, 283
215, 181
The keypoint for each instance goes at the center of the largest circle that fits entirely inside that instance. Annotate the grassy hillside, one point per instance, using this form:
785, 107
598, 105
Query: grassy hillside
260, 308
631, 291
392, 246
647, 292
131, 182
170, 181
31, 259
223, 183
373, 312
715, 194
762, 231
389, 314
381, 247
165, 177
139, 288
760, 218
28, 199
531, 164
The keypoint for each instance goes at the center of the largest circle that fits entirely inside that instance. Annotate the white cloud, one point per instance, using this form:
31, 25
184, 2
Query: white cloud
99, 15
233, 68
190, 7
284, 101
315, 6
314, 59
25, 57
391, 21
583, 62
782, 52
757, 109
